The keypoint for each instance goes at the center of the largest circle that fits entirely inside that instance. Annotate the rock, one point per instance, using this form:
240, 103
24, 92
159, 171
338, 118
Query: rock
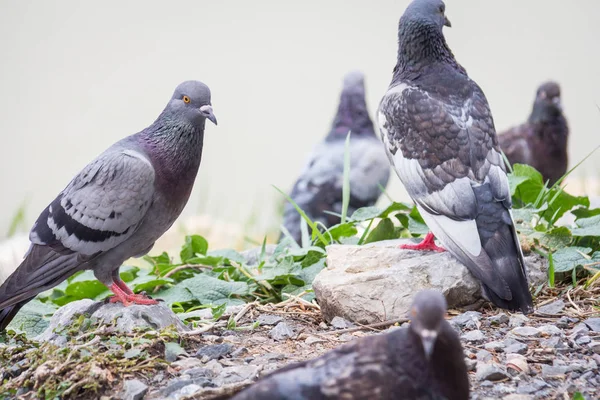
517, 320
516, 347
185, 391
550, 330
595, 347
515, 396
500, 319
369, 283
239, 352
314, 339
473, 336
341, 323
579, 329
467, 320
490, 372
281, 331
134, 389
214, 351
484, 356
553, 372
531, 387
174, 386
269, 319
125, 319
593, 324
583, 340
494, 346
471, 364
526, 331
186, 363
237, 373
553, 308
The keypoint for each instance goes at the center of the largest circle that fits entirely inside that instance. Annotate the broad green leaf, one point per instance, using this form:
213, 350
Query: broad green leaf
128, 273
587, 226
209, 290
383, 231
172, 350
309, 273
33, 318
365, 213
584, 212
218, 311
175, 294
342, 230
150, 283
228, 254
395, 207
206, 260
85, 289
161, 259
194, 244
567, 258
525, 182
297, 290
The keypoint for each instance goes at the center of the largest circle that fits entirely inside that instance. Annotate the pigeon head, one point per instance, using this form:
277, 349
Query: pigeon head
352, 114
431, 12
427, 314
191, 102
547, 103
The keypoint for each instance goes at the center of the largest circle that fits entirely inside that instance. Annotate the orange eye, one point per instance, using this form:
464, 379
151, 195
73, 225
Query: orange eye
186, 99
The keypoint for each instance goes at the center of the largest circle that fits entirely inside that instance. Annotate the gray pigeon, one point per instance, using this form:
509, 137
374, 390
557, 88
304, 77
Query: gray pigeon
117, 206
424, 361
319, 187
542, 141
440, 137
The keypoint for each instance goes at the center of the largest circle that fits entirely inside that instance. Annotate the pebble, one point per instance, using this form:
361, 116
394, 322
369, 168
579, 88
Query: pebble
595, 347
239, 352
475, 336
495, 346
553, 308
593, 324
526, 331
579, 329
490, 372
269, 319
515, 396
236, 374
214, 351
517, 362
550, 330
281, 331
313, 340
467, 320
484, 356
500, 319
186, 363
134, 389
531, 387
517, 320
341, 323
581, 340
471, 364
516, 348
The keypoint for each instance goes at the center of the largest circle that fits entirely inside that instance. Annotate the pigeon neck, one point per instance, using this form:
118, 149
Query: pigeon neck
544, 113
421, 44
352, 115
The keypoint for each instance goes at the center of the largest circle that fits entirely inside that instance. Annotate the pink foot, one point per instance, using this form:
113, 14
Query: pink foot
428, 244
122, 296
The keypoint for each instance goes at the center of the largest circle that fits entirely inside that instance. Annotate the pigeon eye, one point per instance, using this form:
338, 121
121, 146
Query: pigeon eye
186, 99
442, 9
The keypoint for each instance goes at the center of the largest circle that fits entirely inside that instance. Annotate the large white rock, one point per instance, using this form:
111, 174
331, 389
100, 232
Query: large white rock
376, 282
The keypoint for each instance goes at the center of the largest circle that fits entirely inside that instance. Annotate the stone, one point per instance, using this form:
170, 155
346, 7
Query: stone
585, 339
579, 329
490, 372
473, 336
214, 351
595, 347
516, 347
467, 320
471, 364
314, 339
186, 363
499, 319
125, 319
134, 389
553, 372
239, 352
269, 319
175, 385
237, 373
550, 330
553, 308
526, 331
494, 346
281, 331
593, 324
341, 323
517, 362
377, 281
484, 356
516, 320
516, 396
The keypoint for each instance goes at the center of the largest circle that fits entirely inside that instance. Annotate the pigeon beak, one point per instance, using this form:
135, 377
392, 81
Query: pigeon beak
447, 22
428, 340
207, 111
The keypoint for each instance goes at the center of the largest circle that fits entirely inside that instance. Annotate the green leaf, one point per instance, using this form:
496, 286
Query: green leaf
150, 283
567, 258
395, 207
218, 311
128, 273
209, 290
555, 238
578, 396
346, 181
587, 226
194, 244
551, 270
584, 212
206, 260
85, 289
161, 259
33, 318
525, 182
228, 254
365, 213
175, 294
342, 230
383, 231
172, 350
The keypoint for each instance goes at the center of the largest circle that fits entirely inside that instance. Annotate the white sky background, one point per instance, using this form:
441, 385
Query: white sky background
77, 76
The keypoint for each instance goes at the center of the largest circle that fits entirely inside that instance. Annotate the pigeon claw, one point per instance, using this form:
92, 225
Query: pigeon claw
428, 244
121, 296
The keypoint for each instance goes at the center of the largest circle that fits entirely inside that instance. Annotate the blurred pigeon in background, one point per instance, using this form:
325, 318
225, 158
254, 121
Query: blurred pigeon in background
319, 187
423, 361
440, 137
541, 141
117, 206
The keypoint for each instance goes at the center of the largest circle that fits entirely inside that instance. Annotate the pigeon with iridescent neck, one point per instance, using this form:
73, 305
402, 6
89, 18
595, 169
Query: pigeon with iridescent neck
117, 206
319, 186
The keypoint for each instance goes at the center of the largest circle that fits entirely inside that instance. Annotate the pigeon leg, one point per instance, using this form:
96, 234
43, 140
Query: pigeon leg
428, 244
125, 295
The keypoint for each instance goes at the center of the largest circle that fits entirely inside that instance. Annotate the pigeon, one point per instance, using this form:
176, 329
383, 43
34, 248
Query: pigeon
542, 141
440, 139
319, 187
117, 206
423, 361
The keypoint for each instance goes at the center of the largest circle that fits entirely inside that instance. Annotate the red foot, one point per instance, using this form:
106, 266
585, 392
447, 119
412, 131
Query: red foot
428, 244
121, 296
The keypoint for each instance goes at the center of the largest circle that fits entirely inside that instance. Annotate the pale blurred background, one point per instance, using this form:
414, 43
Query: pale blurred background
77, 76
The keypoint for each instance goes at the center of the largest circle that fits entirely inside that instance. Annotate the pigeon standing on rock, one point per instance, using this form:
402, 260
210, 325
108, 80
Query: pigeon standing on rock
440, 137
542, 141
319, 187
423, 361
117, 206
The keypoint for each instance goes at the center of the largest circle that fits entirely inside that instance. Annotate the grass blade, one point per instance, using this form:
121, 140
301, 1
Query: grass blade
550, 270
346, 183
